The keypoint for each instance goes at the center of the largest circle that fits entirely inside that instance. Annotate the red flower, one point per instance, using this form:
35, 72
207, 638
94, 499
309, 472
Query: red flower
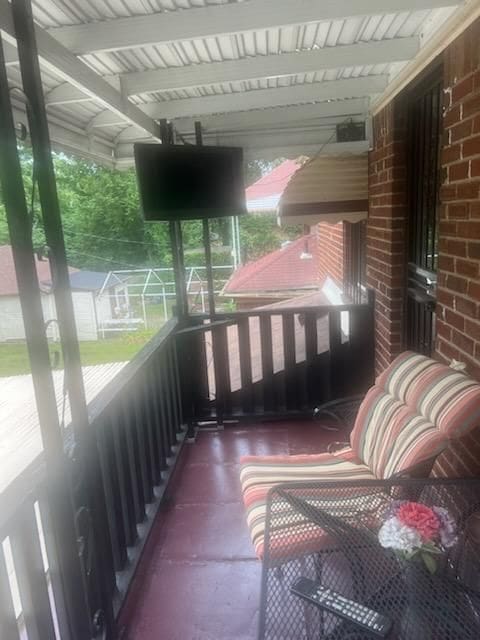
420, 517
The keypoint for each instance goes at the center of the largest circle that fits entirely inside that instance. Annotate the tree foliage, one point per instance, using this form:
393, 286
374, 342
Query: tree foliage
104, 229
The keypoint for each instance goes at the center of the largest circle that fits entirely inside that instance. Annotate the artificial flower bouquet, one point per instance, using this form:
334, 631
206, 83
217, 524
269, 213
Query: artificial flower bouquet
414, 530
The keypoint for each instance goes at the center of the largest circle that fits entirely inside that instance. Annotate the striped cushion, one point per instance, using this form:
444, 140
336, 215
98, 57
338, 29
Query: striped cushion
259, 474
390, 438
449, 399
416, 405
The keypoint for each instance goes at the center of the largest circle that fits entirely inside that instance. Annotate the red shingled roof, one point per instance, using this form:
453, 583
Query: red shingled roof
8, 278
281, 270
265, 193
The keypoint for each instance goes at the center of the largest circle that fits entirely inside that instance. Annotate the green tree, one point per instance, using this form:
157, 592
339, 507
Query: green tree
260, 234
104, 229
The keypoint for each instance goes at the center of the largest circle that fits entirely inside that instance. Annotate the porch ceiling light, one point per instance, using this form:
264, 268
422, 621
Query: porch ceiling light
327, 189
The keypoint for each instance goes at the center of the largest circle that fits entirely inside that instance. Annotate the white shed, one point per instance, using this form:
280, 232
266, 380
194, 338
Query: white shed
11, 319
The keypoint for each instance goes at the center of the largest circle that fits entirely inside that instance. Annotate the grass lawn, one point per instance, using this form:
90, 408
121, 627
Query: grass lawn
156, 313
14, 357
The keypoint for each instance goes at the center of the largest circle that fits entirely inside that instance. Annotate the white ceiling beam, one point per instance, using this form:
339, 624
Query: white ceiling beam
458, 22
71, 139
306, 148
286, 64
10, 54
294, 151
133, 134
259, 119
106, 119
248, 141
264, 98
259, 99
63, 63
237, 17
65, 93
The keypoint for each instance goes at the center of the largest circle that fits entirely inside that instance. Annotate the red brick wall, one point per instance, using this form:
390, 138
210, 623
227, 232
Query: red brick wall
386, 229
458, 309
330, 251
458, 330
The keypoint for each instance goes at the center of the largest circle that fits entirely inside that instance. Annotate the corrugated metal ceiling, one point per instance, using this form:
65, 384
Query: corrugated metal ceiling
265, 42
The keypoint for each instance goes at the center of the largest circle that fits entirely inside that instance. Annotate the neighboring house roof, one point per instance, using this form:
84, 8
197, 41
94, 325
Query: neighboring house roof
290, 268
264, 194
79, 280
88, 280
8, 277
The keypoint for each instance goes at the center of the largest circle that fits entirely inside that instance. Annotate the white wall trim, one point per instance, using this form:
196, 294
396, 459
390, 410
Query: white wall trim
460, 20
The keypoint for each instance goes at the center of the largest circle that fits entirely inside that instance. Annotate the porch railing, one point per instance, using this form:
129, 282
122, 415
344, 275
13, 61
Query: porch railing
266, 362
274, 361
138, 425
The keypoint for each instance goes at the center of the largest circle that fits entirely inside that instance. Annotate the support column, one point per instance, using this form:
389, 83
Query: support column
58, 486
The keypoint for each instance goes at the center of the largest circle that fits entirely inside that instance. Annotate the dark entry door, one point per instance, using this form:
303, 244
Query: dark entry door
423, 162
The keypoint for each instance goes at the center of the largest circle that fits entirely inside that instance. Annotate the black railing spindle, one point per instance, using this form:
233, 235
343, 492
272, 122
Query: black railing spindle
157, 422
148, 416
141, 430
311, 348
54, 573
171, 379
222, 371
245, 358
176, 383
166, 401
31, 578
291, 395
8, 622
126, 420
335, 345
267, 362
123, 479
110, 488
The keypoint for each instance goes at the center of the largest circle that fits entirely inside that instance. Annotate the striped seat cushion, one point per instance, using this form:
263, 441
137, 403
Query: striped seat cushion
416, 406
390, 438
448, 399
259, 474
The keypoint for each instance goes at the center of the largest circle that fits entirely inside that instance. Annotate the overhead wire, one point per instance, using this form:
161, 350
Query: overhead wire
109, 239
103, 259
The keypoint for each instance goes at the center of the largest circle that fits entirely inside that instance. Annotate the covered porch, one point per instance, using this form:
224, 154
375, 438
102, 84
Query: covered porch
130, 523
200, 552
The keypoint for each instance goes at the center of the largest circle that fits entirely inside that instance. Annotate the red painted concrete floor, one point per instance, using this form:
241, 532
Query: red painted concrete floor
198, 578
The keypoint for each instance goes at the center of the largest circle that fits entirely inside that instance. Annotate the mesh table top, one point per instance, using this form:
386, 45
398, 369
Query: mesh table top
328, 532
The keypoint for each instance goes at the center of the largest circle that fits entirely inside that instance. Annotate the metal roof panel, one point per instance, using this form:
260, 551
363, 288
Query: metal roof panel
253, 43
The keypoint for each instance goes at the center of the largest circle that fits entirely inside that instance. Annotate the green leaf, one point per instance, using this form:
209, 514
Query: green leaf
430, 562
431, 548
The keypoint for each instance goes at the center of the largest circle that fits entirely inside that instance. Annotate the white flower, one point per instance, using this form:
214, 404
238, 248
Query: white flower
448, 528
396, 535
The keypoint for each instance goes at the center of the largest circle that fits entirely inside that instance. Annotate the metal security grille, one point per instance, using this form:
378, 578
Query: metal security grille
354, 260
424, 133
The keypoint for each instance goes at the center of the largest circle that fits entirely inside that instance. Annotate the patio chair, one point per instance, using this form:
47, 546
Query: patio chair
405, 421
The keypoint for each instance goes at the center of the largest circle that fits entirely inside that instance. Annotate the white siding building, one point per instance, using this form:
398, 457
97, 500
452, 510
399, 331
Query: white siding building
85, 286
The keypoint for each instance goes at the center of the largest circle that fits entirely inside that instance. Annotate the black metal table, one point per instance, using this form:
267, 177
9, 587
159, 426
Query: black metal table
329, 532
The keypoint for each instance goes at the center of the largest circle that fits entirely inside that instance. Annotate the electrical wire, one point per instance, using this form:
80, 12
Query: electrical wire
322, 147
111, 260
122, 240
